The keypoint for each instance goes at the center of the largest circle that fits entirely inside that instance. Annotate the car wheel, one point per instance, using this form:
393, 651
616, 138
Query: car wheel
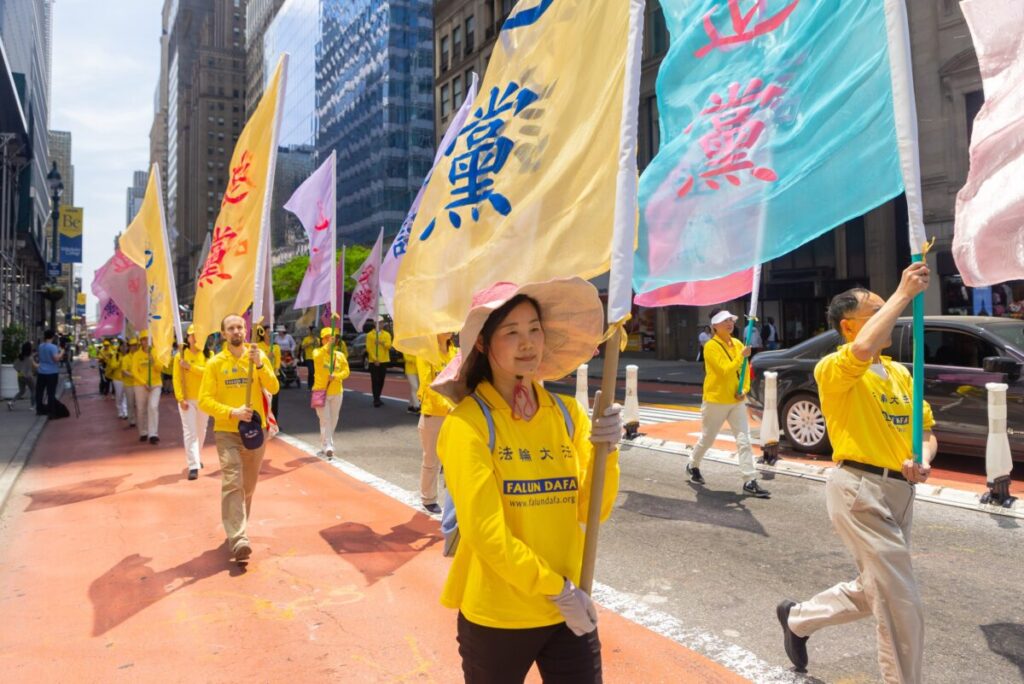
804, 424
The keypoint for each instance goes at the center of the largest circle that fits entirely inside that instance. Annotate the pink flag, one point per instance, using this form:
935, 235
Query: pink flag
366, 296
988, 240
111, 319
123, 281
701, 292
313, 204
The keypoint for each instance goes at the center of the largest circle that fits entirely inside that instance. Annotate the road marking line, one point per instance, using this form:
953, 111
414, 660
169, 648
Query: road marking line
731, 656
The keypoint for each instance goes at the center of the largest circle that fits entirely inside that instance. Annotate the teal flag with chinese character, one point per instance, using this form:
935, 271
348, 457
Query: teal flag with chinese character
777, 125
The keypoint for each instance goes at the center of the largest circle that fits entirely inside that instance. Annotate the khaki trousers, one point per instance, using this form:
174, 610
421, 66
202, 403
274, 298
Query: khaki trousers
240, 470
430, 429
712, 417
872, 515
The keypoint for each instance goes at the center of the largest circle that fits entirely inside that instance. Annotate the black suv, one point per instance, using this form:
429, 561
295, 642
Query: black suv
962, 354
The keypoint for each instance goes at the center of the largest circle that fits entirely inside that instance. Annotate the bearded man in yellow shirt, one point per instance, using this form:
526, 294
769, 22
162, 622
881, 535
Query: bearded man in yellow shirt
866, 400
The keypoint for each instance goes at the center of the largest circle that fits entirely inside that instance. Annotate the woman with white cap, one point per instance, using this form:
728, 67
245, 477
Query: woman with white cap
722, 401
187, 376
517, 461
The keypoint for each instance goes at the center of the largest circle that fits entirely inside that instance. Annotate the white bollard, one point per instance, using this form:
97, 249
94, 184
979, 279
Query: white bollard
631, 409
582, 390
998, 460
770, 419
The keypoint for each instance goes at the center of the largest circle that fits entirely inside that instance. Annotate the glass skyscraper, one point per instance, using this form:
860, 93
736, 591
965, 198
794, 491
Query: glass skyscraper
374, 88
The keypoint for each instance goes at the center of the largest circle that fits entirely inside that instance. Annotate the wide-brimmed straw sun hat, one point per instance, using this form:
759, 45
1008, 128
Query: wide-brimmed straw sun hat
571, 315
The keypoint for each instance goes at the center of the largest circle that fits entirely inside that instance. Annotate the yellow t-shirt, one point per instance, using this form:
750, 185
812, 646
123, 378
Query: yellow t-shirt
309, 344
186, 382
113, 365
519, 508
127, 361
322, 364
722, 362
432, 403
868, 417
274, 354
224, 383
410, 364
147, 369
378, 350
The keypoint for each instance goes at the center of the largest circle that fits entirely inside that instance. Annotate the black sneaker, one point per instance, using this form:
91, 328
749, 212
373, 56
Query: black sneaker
796, 647
432, 508
193, 474
694, 474
413, 409
377, 403
755, 489
143, 438
154, 439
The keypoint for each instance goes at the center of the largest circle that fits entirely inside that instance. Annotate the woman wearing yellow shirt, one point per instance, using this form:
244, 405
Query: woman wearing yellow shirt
187, 376
128, 379
412, 375
866, 401
116, 377
723, 358
433, 409
517, 462
147, 370
330, 381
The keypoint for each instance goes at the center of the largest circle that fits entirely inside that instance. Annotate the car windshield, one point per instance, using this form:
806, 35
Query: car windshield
1010, 331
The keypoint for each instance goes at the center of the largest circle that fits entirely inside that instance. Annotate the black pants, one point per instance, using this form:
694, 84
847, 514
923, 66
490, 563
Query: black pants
310, 372
378, 371
504, 656
46, 383
273, 407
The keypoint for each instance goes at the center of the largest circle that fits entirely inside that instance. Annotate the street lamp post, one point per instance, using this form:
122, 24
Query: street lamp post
56, 186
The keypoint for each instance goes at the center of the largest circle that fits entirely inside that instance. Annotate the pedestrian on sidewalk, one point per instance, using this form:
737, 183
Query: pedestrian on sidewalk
412, 375
115, 374
238, 368
188, 368
434, 408
47, 374
702, 340
722, 401
770, 334
129, 380
329, 381
26, 367
148, 374
378, 352
866, 401
517, 461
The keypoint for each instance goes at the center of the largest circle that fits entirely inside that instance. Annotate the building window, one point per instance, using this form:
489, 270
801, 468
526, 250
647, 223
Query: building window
446, 104
457, 92
972, 105
456, 43
444, 54
470, 34
659, 34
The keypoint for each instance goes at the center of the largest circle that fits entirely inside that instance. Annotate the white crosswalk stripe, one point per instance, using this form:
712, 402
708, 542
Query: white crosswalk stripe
652, 416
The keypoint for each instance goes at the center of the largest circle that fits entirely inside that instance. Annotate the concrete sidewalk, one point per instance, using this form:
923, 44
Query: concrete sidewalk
113, 566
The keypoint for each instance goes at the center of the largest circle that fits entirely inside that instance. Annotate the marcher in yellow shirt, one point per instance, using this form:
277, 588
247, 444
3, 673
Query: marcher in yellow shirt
238, 370
866, 400
115, 374
378, 352
413, 378
147, 371
520, 500
723, 359
433, 409
188, 367
308, 345
272, 352
128, 379
329, 380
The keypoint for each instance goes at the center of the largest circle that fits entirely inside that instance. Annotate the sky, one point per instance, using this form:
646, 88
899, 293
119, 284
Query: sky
106, 60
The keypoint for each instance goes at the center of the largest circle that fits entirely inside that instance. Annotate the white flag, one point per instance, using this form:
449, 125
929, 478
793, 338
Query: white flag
366, 295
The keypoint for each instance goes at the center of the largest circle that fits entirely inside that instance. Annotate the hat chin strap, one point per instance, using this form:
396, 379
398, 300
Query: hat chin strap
524, 404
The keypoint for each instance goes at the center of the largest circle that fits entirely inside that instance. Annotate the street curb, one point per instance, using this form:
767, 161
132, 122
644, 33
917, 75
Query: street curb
937, 494
13, 468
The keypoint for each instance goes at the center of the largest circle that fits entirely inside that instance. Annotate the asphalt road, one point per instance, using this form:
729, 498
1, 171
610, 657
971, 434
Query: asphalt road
718, 562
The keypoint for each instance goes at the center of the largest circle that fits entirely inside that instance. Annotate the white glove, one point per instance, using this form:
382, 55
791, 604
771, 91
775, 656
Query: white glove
608, 428
577, 609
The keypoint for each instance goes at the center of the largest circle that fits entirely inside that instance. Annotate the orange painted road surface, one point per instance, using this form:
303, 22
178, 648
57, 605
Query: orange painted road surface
113, 569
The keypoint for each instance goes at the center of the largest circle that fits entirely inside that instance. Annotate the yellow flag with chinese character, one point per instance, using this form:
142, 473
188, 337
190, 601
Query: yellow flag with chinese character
228, 279
527, 191
145, 243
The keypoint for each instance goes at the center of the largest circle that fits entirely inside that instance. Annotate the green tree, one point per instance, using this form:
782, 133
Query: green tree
288, 276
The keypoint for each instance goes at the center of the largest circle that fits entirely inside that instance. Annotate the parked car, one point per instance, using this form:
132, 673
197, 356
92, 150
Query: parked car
358, 357
962, 354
